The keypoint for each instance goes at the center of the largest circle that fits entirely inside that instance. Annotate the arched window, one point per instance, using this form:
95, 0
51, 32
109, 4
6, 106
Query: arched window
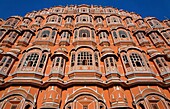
122, 34
46, 36
136, 60
31, 60
45, 33
84, 33
84, 58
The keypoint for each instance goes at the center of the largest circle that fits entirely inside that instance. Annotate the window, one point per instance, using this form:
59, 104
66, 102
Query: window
107, 63
31, 60
45, 33
57, 61
65, 34
154, 106
114, 34
125, 60
13, 34
141, 106
3, 61
99, 20
140, 35
27, 35
84, 33
75, 34
128, 20
151, 24
62, 62
111, 61
101, 107
53, 34
84, 58
68, 20
27, 106
72, 60
154, 23
1, 33
154, 36
168, 23
8, 62
43, 58
9, 21
93, 34
166, 35
69, 107
15, 22
85, 107
161, 62
108, 20
14, 107
103, 35
122, 34
114, 20
141, 23
59, 20
96, 59
38, 20
136, 60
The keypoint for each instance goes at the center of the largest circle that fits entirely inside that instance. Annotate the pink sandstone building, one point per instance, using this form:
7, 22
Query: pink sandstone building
84, 57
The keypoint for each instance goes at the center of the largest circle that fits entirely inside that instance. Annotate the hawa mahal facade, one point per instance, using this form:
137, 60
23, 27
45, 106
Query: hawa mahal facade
84, 57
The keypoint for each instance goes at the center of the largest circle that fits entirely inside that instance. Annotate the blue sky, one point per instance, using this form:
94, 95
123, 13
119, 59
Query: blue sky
155, 8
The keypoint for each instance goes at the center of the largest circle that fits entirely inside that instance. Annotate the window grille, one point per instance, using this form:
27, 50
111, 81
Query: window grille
84, 58
43, 58
72, 60
136, 60
31, 60
8, 62
53, 34
122, 34
45, 33
57, 61
3, 61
